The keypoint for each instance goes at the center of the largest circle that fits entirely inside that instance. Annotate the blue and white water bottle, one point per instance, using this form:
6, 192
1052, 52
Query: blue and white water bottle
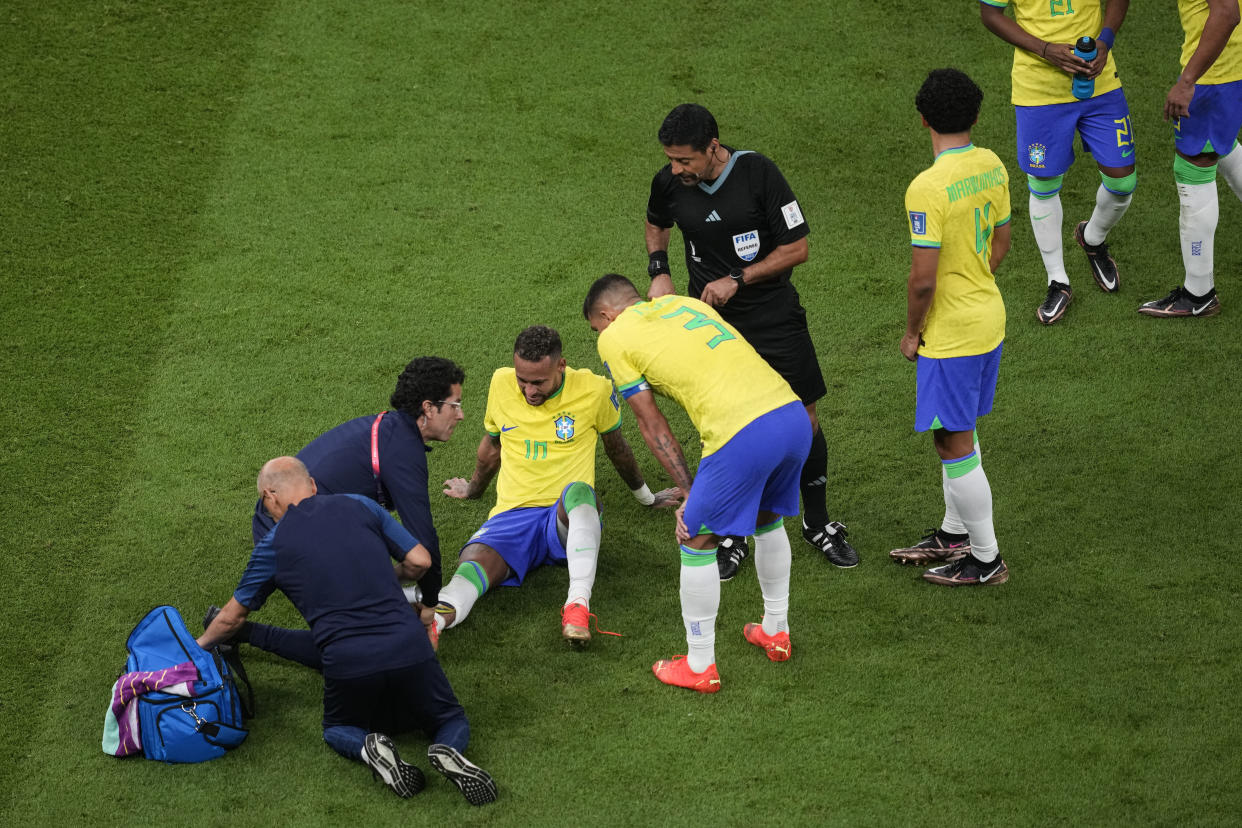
1084, 87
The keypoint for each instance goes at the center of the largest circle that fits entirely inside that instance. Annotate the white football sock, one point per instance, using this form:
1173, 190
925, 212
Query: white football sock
1230, 168
972, 495
1109, 208
772, 564
700, 600
1197, 226
582, 552
952, 522
460, 593
1046, 217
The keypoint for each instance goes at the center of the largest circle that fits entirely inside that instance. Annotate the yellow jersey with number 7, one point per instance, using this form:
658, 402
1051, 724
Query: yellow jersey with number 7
681, 348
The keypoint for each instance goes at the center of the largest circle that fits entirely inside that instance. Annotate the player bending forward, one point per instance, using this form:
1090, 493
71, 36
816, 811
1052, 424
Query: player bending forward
756, 437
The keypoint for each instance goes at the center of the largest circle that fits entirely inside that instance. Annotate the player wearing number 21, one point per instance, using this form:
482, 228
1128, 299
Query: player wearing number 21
755, 435
958, 212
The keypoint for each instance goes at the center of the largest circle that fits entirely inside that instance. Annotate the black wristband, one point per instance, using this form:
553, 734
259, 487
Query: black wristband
658, 264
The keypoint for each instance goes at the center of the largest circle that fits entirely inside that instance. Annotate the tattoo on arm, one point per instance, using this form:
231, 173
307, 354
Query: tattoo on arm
485, 466
622, 456
668, 451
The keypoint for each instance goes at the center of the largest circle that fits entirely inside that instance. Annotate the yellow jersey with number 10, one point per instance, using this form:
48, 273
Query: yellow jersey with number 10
544, 448
681, 348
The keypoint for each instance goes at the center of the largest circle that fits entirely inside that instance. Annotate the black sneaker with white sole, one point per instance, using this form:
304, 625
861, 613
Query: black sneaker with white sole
1181, 302
475, 784
1103, 268
831, 541
1053, 307
969, 571
380, 755
730, 554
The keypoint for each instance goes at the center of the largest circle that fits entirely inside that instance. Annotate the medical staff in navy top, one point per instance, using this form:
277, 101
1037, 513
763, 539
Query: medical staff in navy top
332, 557
384, 457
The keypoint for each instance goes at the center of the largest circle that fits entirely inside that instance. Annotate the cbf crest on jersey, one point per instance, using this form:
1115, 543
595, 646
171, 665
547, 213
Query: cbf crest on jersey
746, 245
564, 424
1037, 153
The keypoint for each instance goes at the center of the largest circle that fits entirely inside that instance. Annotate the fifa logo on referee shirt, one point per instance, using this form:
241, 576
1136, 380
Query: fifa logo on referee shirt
564, 424
1037, 153
746, 245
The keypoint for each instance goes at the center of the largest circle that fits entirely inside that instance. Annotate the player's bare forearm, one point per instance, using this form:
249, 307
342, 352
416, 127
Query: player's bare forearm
920, 290
1002, 236
486, 464
415, 563
1115, 14
659, 438
1060, 55
226, 623
622, 458
1222, 19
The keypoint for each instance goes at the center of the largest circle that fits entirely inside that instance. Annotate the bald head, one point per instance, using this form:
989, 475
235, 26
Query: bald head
608, 296
284, 482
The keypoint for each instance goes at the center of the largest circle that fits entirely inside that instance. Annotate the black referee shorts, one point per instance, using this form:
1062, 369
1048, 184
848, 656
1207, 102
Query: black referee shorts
785, 342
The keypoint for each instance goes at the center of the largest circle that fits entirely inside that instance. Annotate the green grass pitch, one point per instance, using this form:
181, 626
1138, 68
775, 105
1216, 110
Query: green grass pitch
224, 227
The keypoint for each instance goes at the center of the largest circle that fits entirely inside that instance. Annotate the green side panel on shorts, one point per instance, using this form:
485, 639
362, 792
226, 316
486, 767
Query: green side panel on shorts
578, 494
697, 557
1185, 172
936, 423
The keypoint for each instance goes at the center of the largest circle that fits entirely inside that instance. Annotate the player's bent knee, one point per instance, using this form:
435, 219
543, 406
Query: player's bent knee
579, 494
1122, 186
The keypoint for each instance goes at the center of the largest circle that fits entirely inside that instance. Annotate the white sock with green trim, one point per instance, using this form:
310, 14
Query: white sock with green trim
466, 586
1109, 208
972, 495
1196, 225
773, 560
582, 552
700, 601
1230, 169
1046, 218
952, 522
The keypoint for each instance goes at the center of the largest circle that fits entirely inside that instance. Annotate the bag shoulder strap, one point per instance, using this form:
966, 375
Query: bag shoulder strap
375, 461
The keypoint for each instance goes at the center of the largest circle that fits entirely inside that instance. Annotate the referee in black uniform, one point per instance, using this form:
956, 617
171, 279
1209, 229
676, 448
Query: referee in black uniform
744, 233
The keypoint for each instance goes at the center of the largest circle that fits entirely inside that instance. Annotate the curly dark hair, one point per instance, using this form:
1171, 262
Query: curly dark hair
949, 100
425, 378
688, 124
609, 285
537, 342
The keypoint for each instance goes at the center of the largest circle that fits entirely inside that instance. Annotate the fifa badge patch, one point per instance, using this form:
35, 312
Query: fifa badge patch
564, 424
793, 215
746, 245
1037, 153
918, 223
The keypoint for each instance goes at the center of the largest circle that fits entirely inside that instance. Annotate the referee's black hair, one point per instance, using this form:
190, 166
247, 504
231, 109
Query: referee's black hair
949, 101
608, 283
425, 378
537, 342
688, 124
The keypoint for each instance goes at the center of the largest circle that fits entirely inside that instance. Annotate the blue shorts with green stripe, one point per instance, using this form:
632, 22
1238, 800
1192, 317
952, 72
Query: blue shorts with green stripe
1214, 120
952, 393
525, 538
756, 471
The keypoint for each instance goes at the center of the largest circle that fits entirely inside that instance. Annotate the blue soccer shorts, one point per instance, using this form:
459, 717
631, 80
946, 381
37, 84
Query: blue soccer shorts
1046, 134
952, 393
525, 538
756, 471
1214, 120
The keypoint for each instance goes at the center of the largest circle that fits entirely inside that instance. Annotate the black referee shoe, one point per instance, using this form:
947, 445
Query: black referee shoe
730, 554
831, 541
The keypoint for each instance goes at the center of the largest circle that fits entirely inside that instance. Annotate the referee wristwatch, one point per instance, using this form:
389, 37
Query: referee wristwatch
736, 275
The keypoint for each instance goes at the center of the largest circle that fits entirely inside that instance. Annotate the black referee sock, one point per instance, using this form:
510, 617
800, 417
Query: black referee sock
814, 483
